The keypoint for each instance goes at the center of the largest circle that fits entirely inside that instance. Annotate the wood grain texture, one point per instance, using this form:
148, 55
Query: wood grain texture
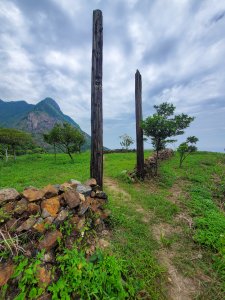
96, 166
139, 131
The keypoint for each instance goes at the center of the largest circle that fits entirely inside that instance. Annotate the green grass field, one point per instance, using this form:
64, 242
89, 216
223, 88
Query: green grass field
176, 220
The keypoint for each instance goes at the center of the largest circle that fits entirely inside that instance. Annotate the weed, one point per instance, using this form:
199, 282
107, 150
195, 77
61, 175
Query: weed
166, 241
98, 278
28, 282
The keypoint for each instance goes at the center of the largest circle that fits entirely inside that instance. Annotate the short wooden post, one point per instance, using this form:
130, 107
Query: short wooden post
96, 167
139, 131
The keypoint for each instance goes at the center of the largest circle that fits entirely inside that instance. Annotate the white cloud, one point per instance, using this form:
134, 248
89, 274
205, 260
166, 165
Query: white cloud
178, 46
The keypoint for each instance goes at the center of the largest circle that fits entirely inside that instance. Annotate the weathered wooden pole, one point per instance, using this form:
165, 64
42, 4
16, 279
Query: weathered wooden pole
139, 131
96, 168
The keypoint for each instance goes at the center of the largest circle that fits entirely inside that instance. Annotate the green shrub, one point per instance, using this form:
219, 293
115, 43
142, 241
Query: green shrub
26, 272
100, 277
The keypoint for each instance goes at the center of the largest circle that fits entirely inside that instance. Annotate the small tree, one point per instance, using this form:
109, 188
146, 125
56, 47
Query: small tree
66, 138
163, 125
187, 148
126, 141
14, 138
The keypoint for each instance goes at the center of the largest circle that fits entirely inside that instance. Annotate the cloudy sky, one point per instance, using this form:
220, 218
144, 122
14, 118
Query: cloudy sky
178, 46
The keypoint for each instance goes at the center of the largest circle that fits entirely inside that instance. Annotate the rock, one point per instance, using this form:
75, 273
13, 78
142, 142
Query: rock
105, 232
43, 276
33, 194
33, 208
80, 223
50, 240
83, 208
72, 198
62, 200
49, 257
6, 271
99, 224
96, 188
27, 224
40, 225
91, 182
103, 243
50, 191
65, 187
95, 209
91, 250
105, 214
74, 182
21, 206
11, 224
83, 189
50, 207
82, 197
8, 195
49, 220
93, 193
9, 207
75, 219
101, 195
45, 296
61, 216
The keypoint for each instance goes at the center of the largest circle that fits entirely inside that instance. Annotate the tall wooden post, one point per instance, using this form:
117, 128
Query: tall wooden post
139, 131
96, 168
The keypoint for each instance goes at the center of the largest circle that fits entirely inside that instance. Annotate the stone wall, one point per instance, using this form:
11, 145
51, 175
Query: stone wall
38, 219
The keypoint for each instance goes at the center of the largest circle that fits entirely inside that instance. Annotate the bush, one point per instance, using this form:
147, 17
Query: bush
100, 277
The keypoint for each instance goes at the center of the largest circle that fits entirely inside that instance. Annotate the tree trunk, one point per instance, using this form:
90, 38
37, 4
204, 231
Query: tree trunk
157, 161
70, 155
6, 154
96, 166
180, 162
14, 153
139, 130
55, 152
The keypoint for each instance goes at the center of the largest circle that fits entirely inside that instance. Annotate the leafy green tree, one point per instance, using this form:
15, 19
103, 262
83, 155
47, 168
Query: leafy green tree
12, 138
126, 141
187, 148
66, 138
163, 125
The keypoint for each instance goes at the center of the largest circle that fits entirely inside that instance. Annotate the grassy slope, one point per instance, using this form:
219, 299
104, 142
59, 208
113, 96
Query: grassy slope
133, 240
39, 170
198, 174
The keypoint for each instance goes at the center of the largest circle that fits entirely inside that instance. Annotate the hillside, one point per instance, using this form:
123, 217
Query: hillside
35, 119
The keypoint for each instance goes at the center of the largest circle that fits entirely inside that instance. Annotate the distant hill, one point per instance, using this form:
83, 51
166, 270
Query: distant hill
36, 119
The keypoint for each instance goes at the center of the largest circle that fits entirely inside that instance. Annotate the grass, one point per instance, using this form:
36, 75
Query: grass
40, 169
198, 251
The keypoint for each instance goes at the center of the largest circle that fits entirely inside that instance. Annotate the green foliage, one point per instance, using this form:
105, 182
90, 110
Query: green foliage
26, 271
100, 277
126, 141
164, 124
167, 241
3, 215
210, 224
15, 139
66, 138
187, 148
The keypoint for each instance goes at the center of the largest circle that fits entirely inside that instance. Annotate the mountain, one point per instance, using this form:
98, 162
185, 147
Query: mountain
36, 119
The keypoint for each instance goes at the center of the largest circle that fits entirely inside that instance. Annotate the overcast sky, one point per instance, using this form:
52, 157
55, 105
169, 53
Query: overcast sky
178, 46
